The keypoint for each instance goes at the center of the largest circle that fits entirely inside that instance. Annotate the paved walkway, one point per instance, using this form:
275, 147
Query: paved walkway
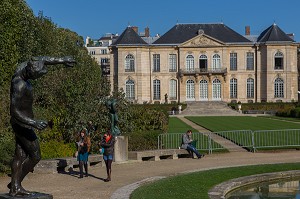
127, 176
68, 186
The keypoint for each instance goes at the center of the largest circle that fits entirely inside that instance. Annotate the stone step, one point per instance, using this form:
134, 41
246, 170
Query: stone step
208, 108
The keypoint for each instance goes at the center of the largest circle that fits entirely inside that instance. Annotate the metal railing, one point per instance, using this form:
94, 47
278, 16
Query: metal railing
203, 71
253, 140
243, 138
173, 141
286, 138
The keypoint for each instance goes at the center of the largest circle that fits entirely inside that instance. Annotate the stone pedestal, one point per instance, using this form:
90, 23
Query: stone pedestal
34, 195
121, 149
179, 109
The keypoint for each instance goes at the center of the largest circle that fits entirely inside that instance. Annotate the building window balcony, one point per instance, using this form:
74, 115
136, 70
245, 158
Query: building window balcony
201, 71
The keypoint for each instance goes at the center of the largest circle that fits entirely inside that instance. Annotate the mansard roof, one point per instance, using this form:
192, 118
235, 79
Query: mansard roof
129, 37
274, 34
181, 33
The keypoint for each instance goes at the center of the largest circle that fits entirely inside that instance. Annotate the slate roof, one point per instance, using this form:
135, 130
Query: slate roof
129, 37
274, 34
181, 33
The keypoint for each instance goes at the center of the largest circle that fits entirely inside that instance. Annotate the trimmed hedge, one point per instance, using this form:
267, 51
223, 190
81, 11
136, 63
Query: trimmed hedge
55, 149
144, 140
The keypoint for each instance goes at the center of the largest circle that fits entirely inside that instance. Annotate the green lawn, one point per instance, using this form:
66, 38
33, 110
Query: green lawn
178, 126
197, 185
263, 140
228, 123
292, 119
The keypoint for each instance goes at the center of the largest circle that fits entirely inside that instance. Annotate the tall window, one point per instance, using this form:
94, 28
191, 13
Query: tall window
156, 62
233, 88
103, 51
233, 61
172, 63
250, 61
279, 88
203, 90
250, 88
173, 89
278, 60
156, 89
203, 63
216, 89
130, 90
190, 90
129, 63
216, 62
190, 63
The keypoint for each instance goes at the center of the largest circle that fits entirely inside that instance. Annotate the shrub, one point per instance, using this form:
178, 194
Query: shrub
55, 149
7, 147
139, 141
295, 112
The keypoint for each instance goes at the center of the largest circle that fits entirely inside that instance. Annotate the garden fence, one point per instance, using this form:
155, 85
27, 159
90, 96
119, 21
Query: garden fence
251, 140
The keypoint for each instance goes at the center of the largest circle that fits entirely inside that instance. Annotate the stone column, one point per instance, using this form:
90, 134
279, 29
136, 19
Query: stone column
121, 149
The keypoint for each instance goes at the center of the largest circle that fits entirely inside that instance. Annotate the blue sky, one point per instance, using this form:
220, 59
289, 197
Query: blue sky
94, 18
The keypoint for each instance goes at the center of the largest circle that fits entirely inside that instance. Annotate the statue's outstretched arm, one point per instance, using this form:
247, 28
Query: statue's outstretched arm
67, 60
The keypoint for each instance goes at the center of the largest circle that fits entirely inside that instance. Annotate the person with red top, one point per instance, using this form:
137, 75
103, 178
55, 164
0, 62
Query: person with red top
107, 143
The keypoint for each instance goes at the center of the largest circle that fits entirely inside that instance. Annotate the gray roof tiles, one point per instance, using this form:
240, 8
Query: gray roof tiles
129, 37
274, 34
181, 33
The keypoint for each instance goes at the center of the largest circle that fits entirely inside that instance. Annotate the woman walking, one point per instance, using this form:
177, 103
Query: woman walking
107, 143
83, 147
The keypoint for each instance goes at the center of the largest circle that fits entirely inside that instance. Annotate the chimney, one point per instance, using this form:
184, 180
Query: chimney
136, 29
247, 30
147, 32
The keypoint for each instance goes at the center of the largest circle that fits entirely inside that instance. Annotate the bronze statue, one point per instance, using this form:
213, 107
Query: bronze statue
111, 105
27, 152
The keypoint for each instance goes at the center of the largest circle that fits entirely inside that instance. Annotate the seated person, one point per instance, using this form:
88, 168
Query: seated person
187, 143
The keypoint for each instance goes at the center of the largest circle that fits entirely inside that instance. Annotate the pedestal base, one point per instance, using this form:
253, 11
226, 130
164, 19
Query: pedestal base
34, 195
121, 149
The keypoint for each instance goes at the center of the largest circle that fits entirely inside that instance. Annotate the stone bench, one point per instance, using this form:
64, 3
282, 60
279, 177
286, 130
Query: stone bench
270, 112
60, 164
156, 155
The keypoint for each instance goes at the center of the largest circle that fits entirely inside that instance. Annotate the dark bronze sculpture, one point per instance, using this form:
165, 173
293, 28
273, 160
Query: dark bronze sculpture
111, 105
27, 152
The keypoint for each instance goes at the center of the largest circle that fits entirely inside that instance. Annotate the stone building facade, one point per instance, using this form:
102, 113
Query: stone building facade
206, 62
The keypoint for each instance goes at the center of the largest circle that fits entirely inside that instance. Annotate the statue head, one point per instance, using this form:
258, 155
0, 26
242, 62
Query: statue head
35, 69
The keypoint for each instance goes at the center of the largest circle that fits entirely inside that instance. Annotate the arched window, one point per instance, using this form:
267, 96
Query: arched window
173, 89
129, 63
216, 89
190, 63
279, 88
233, 88
203, 89
278, 60
190, 90
130, 90
216, 62
156, 89
250, 88
203, 63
